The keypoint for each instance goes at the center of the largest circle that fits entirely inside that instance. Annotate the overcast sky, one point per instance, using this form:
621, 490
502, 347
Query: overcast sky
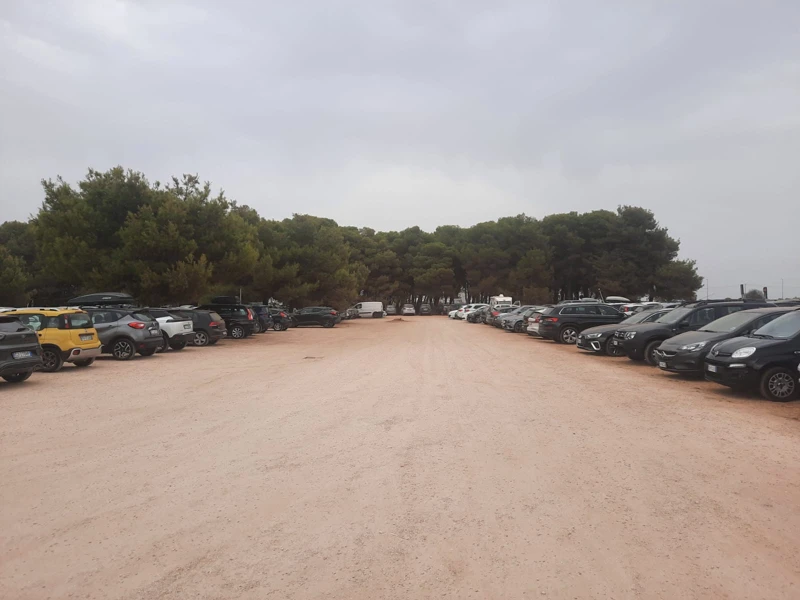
393, 114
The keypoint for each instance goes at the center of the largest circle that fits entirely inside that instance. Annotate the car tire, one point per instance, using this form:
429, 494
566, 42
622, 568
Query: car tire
779, 384
178, 345
164, 343
257, 327
52, 360
567, 335
147, 352
200, 338
237, 332
649, 353
279, 327
123, 349
377, 315
328, 324
84, 363
615, 351
17, 377
518, 327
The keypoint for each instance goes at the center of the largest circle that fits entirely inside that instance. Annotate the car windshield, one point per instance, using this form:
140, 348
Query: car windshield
408, 306
782, 328
640, 317
730, 322
215, 316
674, 316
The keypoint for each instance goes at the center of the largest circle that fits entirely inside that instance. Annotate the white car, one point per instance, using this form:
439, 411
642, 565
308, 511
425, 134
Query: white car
408, 309
177, 331
369, 310
462, 312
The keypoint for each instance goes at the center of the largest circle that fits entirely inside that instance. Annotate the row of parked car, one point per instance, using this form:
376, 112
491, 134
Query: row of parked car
47, 338
739, 344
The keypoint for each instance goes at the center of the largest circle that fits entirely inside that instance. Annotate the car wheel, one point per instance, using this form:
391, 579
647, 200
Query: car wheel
568, 335
178, 345
328, 324
779, 384
51, 360
84, 363
650, 352
518, 327
200, 338
237, 332
164, 343
257, 326
123, 350
147, 352
612, 350
279, 327
17, 377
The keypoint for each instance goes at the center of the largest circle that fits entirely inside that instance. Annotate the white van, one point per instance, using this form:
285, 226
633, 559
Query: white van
369, 310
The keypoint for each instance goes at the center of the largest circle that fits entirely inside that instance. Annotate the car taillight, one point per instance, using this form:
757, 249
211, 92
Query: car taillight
213, 324
551, 319
495, 313
136, 325
333, 312
249, 315
283, 315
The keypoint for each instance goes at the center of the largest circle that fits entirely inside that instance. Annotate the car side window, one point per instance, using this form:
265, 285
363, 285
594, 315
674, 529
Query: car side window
35, 322
568, 310
607, 311
727, 310
703, 316
358, 306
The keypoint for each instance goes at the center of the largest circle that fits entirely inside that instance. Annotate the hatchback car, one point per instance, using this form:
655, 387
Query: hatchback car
66, 336
238, 318
408, 309
207, 326
391, 309
425, 309
767, 359
601, 339
124, 332
20, 352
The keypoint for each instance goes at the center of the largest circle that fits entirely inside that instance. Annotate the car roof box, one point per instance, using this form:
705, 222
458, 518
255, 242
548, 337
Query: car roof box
103, 299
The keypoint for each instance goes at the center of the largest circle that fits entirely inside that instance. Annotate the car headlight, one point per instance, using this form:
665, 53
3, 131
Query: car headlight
693, 347
743, 352
629, 335
593, 336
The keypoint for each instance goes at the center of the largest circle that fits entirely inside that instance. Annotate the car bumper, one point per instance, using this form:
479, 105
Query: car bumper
724, 374
83, 354
151, 343
680, 363
185, 337
631, 351
590, 345
548, 332
533, 330
21, 365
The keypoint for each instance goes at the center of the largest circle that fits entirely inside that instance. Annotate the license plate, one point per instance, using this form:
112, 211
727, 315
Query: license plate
86, 337
663, 365
712, 368
25, 354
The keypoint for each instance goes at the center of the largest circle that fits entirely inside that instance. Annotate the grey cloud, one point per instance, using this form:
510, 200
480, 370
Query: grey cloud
390, 114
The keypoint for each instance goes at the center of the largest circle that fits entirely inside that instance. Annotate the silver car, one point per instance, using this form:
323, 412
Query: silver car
124, 332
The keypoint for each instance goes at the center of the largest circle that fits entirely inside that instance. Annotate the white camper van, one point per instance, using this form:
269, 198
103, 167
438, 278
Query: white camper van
495, 300
369, 310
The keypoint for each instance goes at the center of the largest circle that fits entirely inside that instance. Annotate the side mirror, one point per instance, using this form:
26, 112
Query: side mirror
684, 325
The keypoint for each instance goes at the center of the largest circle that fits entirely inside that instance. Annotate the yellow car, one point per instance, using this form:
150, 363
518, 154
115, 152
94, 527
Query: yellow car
65, 334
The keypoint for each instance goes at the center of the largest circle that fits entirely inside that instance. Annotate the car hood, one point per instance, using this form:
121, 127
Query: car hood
604, 328
645, 327
733, 344
693, 337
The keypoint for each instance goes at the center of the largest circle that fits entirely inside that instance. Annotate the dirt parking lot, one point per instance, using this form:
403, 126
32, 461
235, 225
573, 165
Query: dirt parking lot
422, 458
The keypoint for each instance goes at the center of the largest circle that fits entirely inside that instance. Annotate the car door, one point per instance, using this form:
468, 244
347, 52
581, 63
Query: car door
105, 323
305, 316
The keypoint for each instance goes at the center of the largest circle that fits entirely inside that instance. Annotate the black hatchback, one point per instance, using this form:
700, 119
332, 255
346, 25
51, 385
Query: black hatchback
686, 352
208, 326
238, 318
767, 360
20, 352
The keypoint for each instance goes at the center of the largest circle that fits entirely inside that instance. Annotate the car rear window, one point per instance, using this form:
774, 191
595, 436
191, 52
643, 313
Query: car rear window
11, 324
142, 316
79, 320
215, 316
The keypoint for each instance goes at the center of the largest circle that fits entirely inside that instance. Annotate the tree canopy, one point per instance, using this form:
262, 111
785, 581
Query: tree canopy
181, 242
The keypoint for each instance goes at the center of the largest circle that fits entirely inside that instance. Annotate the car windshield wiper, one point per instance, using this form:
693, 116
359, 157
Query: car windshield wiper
764, 336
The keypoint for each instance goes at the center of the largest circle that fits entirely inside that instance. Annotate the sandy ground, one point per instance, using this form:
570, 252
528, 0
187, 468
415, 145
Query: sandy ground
423, 458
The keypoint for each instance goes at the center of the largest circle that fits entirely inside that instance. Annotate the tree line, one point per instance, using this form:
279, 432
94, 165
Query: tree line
180, 242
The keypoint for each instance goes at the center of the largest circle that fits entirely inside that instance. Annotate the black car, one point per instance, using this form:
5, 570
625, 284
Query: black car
766, 359
562, 323
20, 352
324, 316
599, 339
262, 320
686, 352
477, 315
639, 342
281, 320
208, 326
425, 309
238, 318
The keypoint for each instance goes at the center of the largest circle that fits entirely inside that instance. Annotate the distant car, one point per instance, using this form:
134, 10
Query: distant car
516, 321
408, 309
477, 315
281, 319
207, 326
126, 331
262, 320
369, 310
468, 308
391, 309
65, 334
600, 339
323, 316
20, 352
177, 331
494, 314
686, 352
766, 359
563, 323
641, 341
239, 319
425, 309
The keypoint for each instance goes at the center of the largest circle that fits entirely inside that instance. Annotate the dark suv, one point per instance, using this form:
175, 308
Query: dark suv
238, 318
20, 352
316, 315
600, 339
639, 342
768, 359
686, 352
563, 323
